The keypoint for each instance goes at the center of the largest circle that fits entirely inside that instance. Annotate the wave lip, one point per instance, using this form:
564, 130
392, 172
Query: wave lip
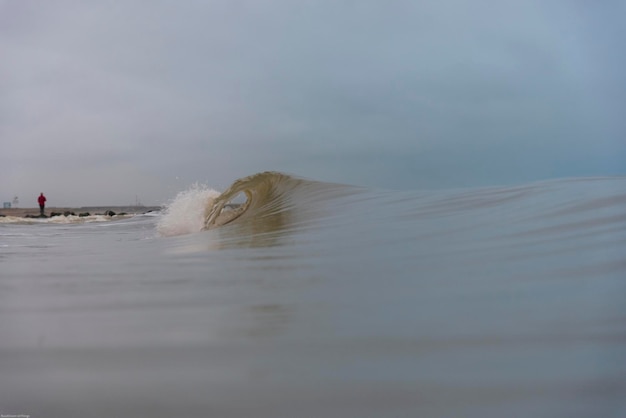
266, 193
271, 195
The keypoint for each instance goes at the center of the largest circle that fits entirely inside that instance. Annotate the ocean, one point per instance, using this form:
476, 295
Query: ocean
288, 297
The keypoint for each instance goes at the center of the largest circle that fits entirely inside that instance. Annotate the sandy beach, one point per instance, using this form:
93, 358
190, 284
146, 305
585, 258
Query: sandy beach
28, 212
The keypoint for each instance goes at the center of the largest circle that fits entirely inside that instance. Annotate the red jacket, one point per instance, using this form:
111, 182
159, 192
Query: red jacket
41, 200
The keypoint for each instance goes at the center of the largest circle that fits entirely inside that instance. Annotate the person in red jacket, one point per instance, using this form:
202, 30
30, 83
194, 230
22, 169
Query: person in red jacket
42, 203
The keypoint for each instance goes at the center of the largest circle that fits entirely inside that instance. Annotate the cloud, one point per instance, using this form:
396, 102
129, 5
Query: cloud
151, 95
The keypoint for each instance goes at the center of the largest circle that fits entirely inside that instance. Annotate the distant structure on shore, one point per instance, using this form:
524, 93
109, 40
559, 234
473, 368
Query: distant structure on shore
9, 205
138, 202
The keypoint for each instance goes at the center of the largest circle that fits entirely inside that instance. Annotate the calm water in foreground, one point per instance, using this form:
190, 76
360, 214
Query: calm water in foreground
321, 300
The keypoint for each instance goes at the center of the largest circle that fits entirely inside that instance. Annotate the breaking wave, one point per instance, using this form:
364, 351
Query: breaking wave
269, 201
262, 197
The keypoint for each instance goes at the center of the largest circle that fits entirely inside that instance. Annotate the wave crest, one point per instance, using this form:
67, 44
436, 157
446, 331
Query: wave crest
273, 200
266, 193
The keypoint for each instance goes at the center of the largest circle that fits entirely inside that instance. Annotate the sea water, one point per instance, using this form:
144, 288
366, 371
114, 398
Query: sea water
284, 297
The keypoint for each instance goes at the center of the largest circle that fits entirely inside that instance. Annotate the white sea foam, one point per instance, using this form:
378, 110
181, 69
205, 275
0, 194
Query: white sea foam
186, 212
70, 219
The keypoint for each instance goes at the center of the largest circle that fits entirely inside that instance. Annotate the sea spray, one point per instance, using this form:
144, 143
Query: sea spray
186, 213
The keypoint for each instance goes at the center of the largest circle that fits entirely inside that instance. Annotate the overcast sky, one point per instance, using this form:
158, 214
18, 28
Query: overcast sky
105, 101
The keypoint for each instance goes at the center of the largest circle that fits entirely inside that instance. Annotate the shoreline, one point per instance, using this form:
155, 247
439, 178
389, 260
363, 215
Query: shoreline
92, 210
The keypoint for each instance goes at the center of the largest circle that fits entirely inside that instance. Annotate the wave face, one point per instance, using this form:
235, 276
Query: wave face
509, 221
277, 201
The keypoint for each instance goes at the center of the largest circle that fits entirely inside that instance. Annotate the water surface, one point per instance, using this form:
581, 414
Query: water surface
315, 299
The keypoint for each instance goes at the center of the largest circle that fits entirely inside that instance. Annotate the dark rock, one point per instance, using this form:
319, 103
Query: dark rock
68, 213
82, 215
55, 214
2, 216
109, 213
122, 213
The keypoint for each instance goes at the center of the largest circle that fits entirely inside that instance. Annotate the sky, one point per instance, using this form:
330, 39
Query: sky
110, 102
